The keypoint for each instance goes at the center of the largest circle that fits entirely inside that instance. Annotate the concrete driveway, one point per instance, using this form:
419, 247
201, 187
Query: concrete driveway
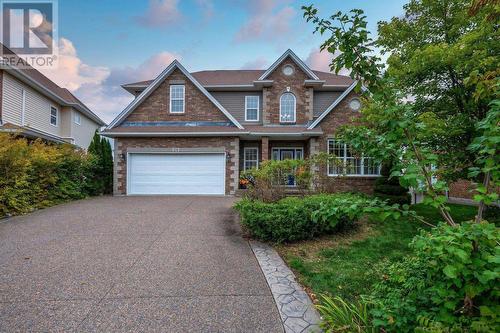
169, 264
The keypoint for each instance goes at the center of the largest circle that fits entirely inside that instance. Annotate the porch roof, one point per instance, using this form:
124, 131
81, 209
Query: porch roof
248, 131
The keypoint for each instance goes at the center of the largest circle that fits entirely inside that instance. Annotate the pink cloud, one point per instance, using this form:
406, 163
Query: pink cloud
160, 13
268, 20
99, 87
321, 60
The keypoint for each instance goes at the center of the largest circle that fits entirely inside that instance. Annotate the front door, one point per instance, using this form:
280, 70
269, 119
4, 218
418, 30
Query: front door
288, 154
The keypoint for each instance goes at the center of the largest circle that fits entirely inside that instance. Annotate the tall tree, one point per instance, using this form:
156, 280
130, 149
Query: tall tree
425, 104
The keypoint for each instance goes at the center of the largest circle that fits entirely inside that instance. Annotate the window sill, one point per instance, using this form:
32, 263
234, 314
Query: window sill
354, 176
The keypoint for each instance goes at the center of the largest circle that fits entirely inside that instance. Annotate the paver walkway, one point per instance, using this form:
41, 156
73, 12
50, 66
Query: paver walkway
169, 264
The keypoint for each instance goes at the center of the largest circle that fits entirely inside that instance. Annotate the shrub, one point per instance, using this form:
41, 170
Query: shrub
451, 280
388, 188
292, 219
36, 175
341, 316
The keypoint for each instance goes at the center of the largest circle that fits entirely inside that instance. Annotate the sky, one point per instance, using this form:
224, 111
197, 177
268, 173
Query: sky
106, 43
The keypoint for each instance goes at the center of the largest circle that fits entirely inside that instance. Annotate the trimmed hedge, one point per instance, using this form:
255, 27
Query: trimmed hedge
35, 175
293, 219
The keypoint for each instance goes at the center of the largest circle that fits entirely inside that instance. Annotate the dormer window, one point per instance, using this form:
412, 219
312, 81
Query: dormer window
287, 108
177, 98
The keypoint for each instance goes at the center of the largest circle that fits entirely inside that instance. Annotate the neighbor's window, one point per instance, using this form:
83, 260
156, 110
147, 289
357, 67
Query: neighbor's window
78, 119
348, 164
177, 98
287, 108
250, 158
53, 116
251, 108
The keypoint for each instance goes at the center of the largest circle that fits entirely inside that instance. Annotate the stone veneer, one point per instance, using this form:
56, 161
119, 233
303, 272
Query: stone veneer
197, 106
281, 83
228, 144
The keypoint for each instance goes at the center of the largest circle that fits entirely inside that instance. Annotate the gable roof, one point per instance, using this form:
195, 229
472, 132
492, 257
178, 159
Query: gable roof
333, 105
297, 60
43, 84
159, 79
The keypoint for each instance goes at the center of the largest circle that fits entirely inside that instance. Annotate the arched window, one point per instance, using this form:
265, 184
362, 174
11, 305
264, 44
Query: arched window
287, 108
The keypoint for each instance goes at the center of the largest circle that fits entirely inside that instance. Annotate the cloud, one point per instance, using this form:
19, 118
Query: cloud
268, 20
99, 87
258, 63
207, 8
71, 72
160, 13
321, 60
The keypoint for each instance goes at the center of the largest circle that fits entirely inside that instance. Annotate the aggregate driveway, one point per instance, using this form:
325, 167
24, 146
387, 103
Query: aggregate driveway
168, 264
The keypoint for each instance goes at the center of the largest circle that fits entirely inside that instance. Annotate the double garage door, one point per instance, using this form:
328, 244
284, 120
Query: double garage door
176, 173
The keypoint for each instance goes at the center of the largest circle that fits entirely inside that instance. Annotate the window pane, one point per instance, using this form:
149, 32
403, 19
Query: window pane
370, 168
287, 107
251, 158
53, 116
177, 106
353, 166
177, 92
252, 114
252, 102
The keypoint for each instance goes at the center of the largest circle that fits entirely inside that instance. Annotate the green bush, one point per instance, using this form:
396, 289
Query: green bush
292, 219
388, 188
36, 175
452, 280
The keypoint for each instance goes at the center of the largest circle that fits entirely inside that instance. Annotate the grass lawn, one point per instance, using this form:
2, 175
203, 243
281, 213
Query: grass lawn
348, 264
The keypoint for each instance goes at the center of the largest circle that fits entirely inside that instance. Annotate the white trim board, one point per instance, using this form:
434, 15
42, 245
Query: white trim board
296, 59
154, 85
333, 105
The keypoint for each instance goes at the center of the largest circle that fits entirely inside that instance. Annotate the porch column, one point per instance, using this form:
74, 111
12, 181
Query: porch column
264, 150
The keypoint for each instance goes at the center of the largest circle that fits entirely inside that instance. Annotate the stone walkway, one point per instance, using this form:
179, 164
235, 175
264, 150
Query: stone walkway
295, 307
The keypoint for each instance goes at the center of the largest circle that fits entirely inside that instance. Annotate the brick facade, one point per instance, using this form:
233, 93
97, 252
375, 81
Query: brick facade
197, 106
281, 83
341, 115
229, 144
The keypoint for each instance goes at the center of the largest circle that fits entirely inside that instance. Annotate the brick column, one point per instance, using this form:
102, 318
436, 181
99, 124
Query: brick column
235, 164
266, 117
264, 150
309, 102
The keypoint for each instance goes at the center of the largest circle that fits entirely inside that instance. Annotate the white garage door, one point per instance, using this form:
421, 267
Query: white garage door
176, 173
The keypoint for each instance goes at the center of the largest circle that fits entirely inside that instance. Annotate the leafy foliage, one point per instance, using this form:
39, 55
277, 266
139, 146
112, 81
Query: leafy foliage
423, 107
452, 278
292, 219
341, 316
37, 175
388, 188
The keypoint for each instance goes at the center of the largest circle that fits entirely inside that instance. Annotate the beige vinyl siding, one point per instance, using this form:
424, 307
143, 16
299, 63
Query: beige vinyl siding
12, 96
83, 133
37, 107
322, 100
234, 103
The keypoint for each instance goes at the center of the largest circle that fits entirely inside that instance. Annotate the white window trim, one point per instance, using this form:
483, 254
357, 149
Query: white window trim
76, 114
246, 107
57, 116
245, 156
362, 167
178, 99
294, 108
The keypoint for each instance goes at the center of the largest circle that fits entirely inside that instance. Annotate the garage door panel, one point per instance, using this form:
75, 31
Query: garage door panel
177, 174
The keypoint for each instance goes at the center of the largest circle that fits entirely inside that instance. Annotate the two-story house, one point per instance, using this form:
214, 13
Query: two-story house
34, 106
192, 133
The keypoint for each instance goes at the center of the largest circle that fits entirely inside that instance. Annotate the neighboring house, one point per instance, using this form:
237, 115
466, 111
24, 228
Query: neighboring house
34, 106
193, 133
